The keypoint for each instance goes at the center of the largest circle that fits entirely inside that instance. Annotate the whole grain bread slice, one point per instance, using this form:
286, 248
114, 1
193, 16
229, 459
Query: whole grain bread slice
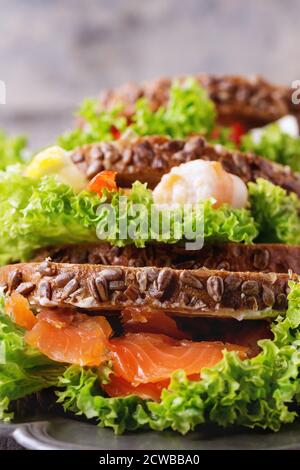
229, 256
250, 100
200, 292
147, 159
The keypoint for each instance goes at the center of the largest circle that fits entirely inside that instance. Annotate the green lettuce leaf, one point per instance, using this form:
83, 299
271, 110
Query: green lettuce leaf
276, 212
253, 393
221, 224
97, 125
275, 145
81, 396
258, 392
12, 150
23, 369
188, 110
38, 213
227, 224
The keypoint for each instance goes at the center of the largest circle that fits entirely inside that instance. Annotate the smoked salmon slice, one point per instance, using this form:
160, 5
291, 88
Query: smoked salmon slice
142, 362
141, 358
118, 387
137, 320
17, 307
74, 338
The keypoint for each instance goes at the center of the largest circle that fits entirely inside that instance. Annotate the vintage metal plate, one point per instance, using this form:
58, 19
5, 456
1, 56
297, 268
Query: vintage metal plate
59, 434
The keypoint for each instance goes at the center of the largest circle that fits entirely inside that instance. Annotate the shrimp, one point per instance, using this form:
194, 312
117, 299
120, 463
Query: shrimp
200, 180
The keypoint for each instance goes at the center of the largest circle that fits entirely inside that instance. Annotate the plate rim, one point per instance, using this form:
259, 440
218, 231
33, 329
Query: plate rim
35, 435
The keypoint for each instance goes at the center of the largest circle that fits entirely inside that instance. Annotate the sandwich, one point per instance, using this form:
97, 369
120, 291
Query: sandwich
174, 325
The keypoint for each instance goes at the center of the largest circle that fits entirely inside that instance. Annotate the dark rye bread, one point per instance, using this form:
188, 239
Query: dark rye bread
146, 159
250, 100
228, 256
199, 292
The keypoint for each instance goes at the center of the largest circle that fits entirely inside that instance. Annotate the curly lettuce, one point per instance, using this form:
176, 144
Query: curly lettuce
203, 220
79, 392
276, 212
96, 125
275, 145
35, 213
23, 369
256, 393
188, 110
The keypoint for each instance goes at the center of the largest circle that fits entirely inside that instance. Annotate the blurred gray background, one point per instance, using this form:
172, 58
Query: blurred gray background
55, 52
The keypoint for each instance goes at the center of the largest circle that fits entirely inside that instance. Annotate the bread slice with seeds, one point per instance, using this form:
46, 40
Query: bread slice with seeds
200, 292
132, 160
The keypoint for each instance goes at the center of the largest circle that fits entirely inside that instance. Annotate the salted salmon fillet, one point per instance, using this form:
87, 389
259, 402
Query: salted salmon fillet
118, 387
143, 363
147, 357
17, 307
71, 338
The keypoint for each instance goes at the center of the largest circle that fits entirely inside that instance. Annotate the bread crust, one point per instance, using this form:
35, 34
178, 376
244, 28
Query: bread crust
259, 257
200, 292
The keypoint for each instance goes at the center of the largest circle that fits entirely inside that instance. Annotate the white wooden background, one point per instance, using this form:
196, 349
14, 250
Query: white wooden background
54, 52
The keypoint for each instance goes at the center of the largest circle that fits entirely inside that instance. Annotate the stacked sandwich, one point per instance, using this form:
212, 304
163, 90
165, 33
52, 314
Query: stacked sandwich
159, 328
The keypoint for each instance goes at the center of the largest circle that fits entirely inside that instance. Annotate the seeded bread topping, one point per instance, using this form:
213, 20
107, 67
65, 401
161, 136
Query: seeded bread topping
200, 292
132, 160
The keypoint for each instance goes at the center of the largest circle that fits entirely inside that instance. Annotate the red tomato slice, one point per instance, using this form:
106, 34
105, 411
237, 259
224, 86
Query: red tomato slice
237, 131
115, 132
103, 180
